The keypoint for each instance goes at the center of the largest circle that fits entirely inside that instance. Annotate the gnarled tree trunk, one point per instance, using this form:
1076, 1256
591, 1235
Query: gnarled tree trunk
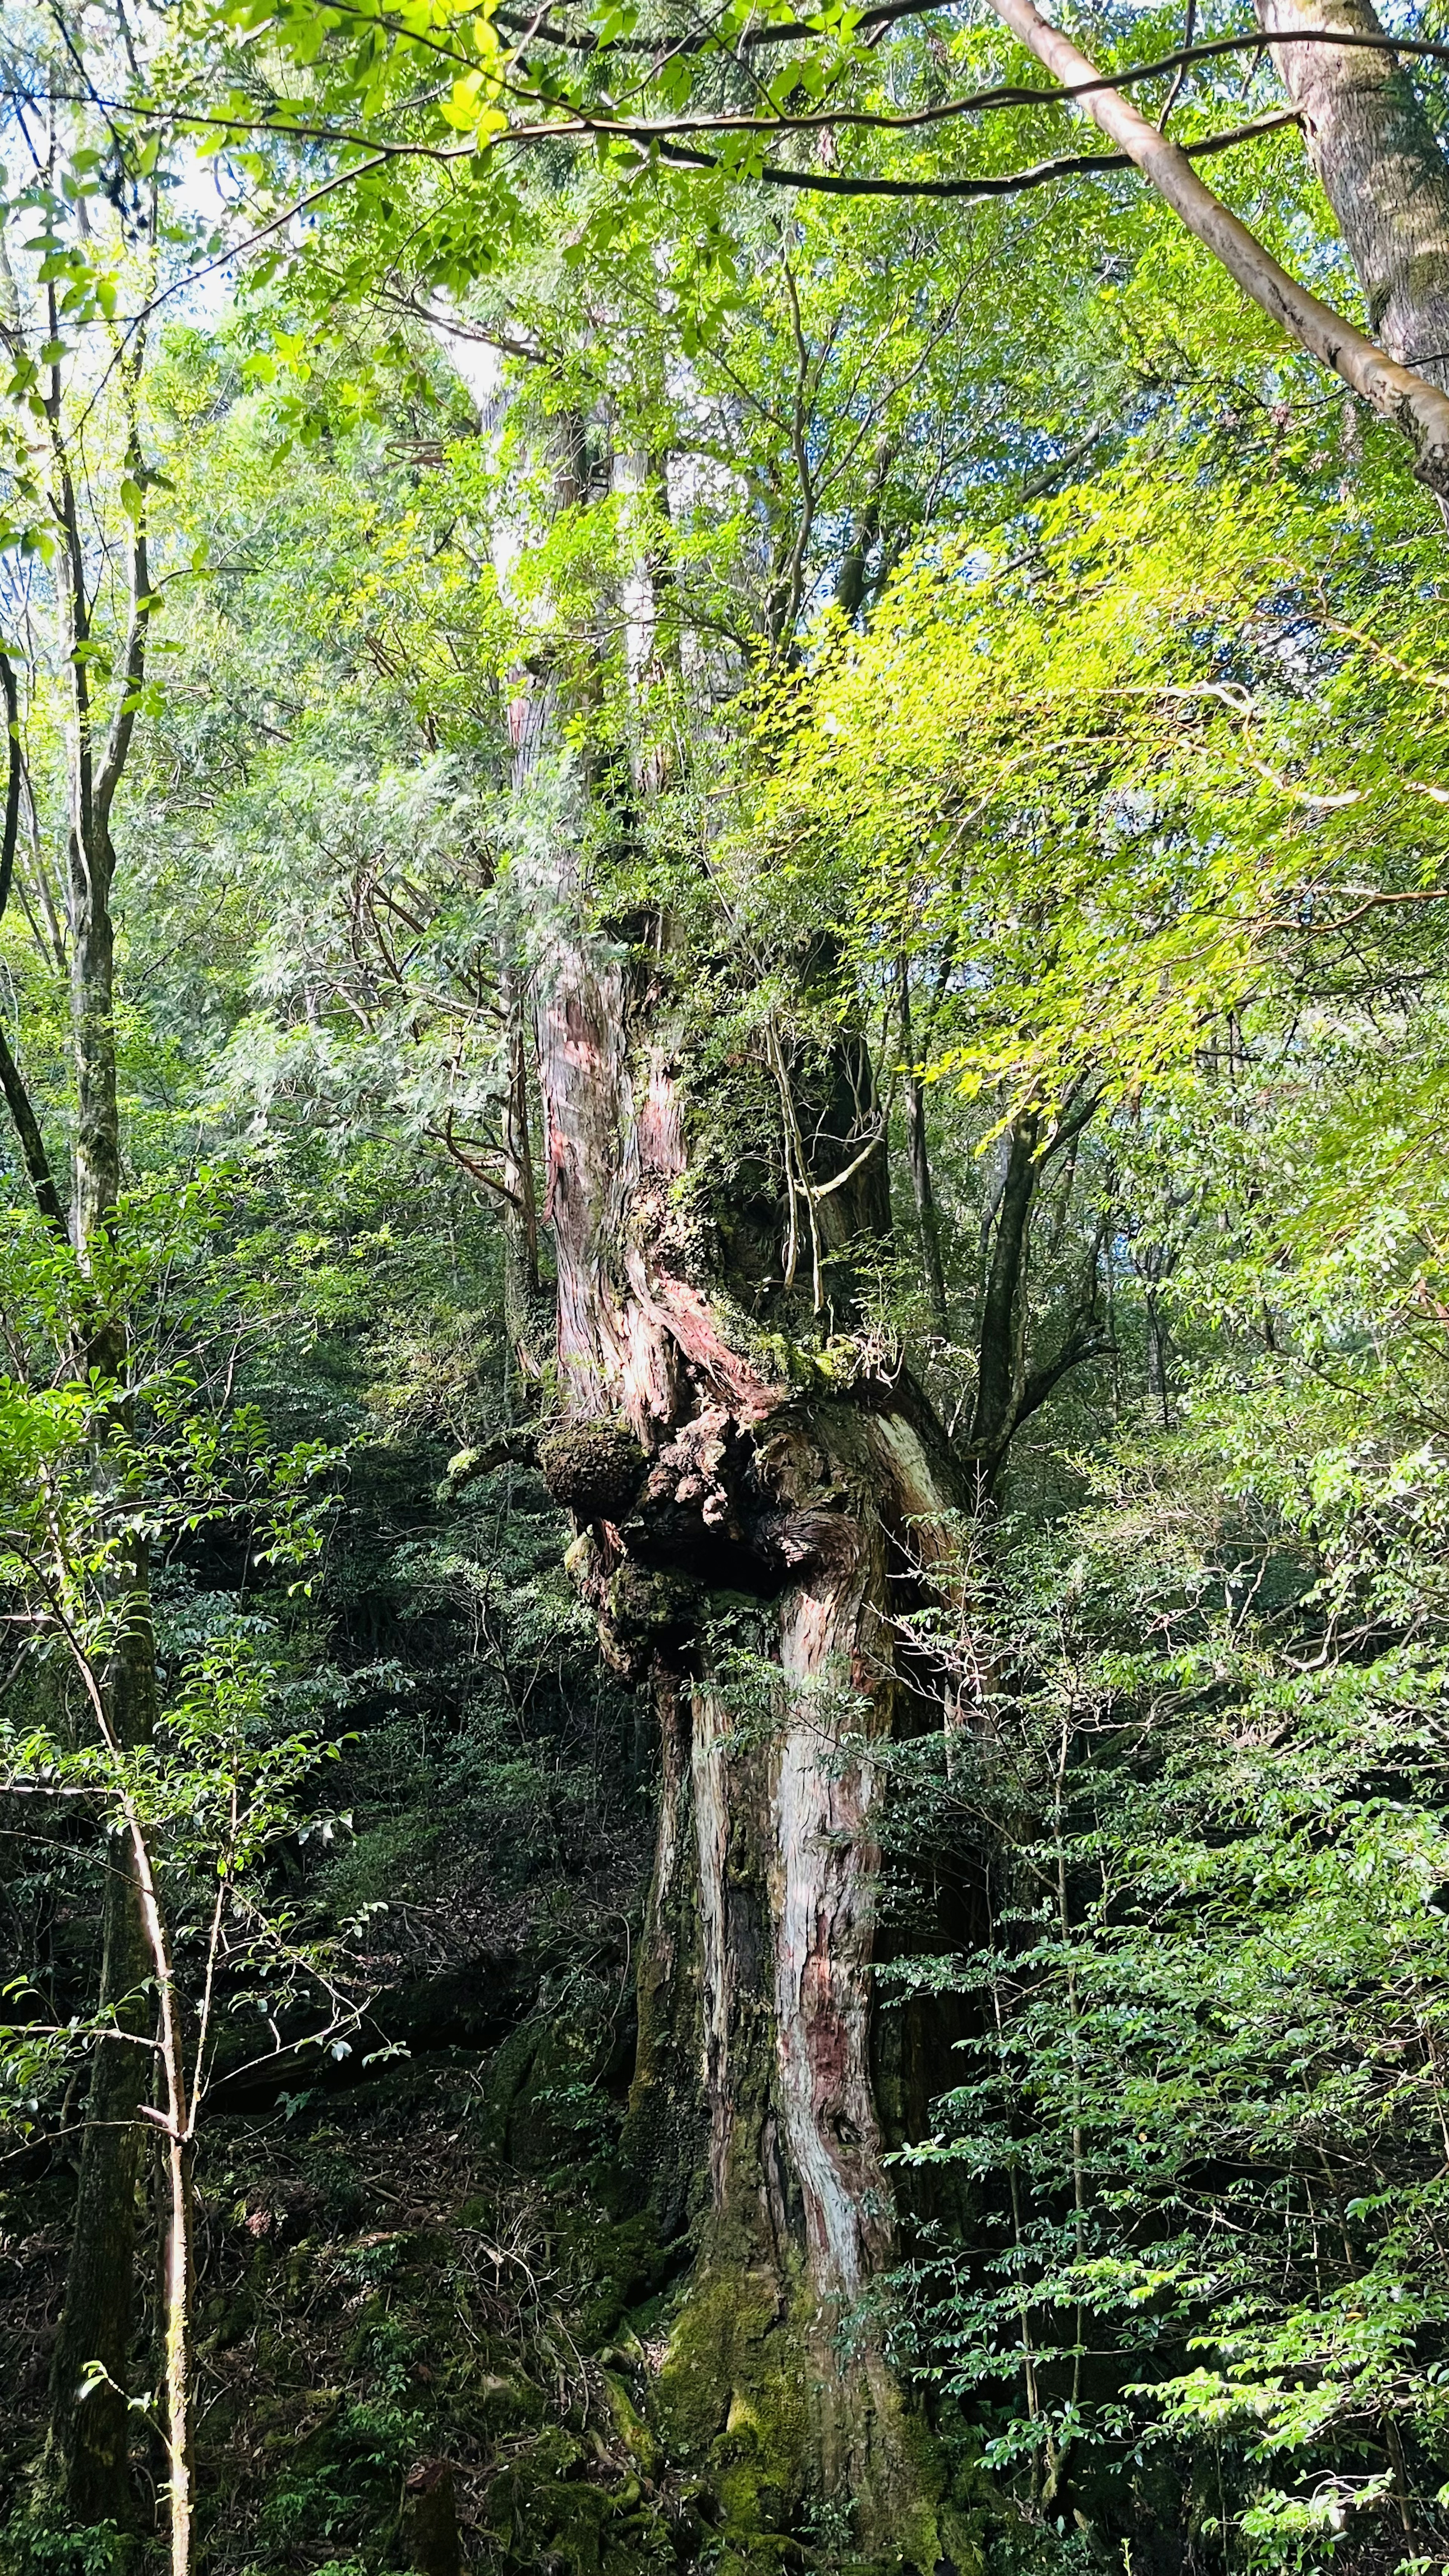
753, 1489
743, 1536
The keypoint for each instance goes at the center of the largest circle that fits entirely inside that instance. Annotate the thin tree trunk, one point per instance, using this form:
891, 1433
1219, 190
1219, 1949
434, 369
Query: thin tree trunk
1382, 170
176, 2253
524, 1306
98, 2294
928, 1225
32, 1144
176, 2121
1157, 1360
1002, 1337
90, 2434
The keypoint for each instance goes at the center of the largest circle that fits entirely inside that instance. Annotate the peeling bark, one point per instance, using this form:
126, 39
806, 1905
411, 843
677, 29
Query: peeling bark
753, 2110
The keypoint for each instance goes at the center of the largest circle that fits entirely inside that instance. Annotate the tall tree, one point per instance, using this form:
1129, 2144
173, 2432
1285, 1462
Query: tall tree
1381, 165
754, 1478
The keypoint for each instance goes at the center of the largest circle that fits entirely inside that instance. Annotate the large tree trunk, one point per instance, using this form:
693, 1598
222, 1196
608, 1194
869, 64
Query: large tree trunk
744, 1538
1382, 170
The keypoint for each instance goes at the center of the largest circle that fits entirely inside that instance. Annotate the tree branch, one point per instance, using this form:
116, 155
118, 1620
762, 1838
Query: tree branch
12, 778
1011, 183
1415, 406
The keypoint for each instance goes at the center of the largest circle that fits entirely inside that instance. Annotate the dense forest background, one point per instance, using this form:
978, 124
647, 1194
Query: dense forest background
724, 1270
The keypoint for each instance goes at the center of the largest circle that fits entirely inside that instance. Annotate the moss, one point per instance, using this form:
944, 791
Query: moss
594, 1469
539, 2066
731, 2399
752, 2398
582, 1559
645, 1606
635, 2434
545, 2509
663, 2143
503, 2401
823, 1367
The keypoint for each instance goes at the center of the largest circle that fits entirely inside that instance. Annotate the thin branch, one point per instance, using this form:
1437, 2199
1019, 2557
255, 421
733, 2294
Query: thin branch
12, 780
32, 1143
1014, 183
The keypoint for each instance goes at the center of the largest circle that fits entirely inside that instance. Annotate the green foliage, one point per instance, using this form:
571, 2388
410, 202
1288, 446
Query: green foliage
1202, 2110
1110, 786
1111, 790
31, 2547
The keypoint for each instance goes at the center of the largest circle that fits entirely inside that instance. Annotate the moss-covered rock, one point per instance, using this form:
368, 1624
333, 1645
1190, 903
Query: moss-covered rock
624, 2262
548, 2509
504, 2402
594, 1469
533, 2078
636, 2435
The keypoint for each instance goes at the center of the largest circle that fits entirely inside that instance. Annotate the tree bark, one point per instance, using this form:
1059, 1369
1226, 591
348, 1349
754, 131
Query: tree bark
1381, 168
716, 1500
1003, 1321
527, 1311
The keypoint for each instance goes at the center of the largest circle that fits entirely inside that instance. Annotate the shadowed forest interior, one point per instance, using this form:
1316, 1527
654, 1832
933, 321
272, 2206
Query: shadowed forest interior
724, 1288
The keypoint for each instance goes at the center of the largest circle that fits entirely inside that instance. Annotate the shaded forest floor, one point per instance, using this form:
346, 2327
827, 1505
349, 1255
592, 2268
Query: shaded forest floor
410, 2348
426, 2312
